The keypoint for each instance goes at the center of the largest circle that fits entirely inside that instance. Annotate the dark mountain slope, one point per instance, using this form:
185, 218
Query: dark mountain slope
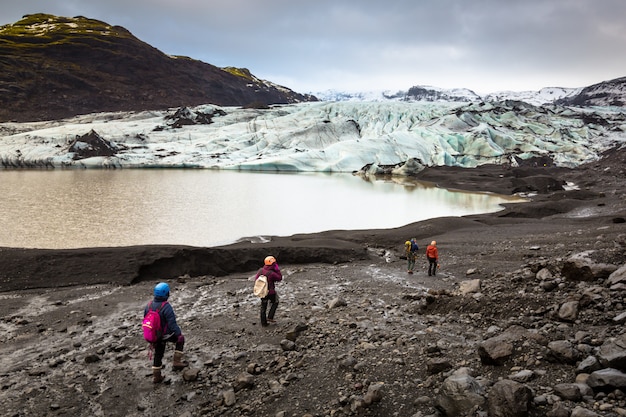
606, 93
53, 67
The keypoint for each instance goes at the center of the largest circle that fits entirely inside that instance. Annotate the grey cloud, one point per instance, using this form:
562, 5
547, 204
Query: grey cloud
490, 44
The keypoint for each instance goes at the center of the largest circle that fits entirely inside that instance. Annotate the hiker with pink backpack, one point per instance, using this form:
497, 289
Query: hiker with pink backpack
160, 327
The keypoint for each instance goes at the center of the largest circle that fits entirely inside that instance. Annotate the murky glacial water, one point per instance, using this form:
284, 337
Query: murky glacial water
87, 208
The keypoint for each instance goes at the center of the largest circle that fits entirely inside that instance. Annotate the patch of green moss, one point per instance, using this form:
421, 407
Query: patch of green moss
239, 72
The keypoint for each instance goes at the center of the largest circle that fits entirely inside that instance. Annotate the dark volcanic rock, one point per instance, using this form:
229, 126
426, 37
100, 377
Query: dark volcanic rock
90, 145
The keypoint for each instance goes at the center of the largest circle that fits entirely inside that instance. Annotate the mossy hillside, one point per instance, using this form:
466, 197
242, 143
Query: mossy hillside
43, 29
55, 67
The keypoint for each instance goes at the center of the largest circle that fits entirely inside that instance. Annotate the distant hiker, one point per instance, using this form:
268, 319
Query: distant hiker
170, 332
432, 254
273, 274
411, 248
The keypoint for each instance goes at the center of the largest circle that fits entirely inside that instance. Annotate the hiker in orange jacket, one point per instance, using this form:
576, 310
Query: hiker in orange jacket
432, 254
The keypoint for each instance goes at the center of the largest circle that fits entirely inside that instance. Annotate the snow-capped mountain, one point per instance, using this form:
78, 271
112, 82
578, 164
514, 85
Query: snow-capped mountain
429, 93
546, 95
318, 136
415, 93
607, 93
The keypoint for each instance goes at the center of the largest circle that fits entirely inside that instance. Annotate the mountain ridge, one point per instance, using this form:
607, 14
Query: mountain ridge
55, 67
606, 93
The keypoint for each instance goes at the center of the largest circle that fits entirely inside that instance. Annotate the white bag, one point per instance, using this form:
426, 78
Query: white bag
261, 288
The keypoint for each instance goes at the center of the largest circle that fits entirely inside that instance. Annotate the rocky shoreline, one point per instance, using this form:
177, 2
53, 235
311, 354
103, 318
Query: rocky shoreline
525, 317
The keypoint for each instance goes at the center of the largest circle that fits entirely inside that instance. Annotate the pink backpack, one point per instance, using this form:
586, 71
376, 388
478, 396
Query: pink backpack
152, 328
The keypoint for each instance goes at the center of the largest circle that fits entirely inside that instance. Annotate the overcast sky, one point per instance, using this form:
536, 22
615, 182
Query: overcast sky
365, 45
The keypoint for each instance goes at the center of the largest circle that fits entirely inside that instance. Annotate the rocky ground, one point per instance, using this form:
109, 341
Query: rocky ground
524, 318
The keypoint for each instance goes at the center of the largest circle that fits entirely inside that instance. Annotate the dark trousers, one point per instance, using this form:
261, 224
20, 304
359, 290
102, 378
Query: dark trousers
159, 349
432, 266
273, 299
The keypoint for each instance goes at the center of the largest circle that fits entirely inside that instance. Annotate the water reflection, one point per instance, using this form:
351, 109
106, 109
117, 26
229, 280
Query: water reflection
84, 208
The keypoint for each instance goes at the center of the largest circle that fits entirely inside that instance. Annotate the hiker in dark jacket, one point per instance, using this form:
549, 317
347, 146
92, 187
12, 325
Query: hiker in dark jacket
411, 249
171, 332
273, 274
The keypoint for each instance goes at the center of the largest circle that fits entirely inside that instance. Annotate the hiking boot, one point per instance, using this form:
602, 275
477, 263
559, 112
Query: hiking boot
271, 321
157, 377
179, 363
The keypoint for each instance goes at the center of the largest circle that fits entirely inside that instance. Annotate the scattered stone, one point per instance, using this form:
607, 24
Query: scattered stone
337, 302
607, 379
244, 381
580, 267
191, 374
617, 277
374, 393
495, 351
287, 345
583, 412
92, 358
469, 287
229, 397
562, 351
569, 392
559, 410
522, 376
460, 393
438, 365
569, 311
509, 399
544, 274
612, 353
620, 318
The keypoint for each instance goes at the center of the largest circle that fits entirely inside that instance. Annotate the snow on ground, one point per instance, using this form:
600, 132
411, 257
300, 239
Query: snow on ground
321, 136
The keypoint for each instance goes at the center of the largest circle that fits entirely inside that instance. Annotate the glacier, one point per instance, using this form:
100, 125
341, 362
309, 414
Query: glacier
318, 137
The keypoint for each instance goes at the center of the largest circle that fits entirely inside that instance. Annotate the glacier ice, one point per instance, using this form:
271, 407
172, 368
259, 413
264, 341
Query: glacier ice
321, 136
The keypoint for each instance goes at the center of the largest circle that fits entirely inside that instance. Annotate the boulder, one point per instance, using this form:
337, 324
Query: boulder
570, 392
438, 365
495, 351
588, 365
569, 311
509, 399
374, 393
460, 393
612, 353
562, 351
607, 380
580, 267
244, 380
618, 277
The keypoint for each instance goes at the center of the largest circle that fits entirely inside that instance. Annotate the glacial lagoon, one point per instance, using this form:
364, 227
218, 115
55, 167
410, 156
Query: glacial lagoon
75, 208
